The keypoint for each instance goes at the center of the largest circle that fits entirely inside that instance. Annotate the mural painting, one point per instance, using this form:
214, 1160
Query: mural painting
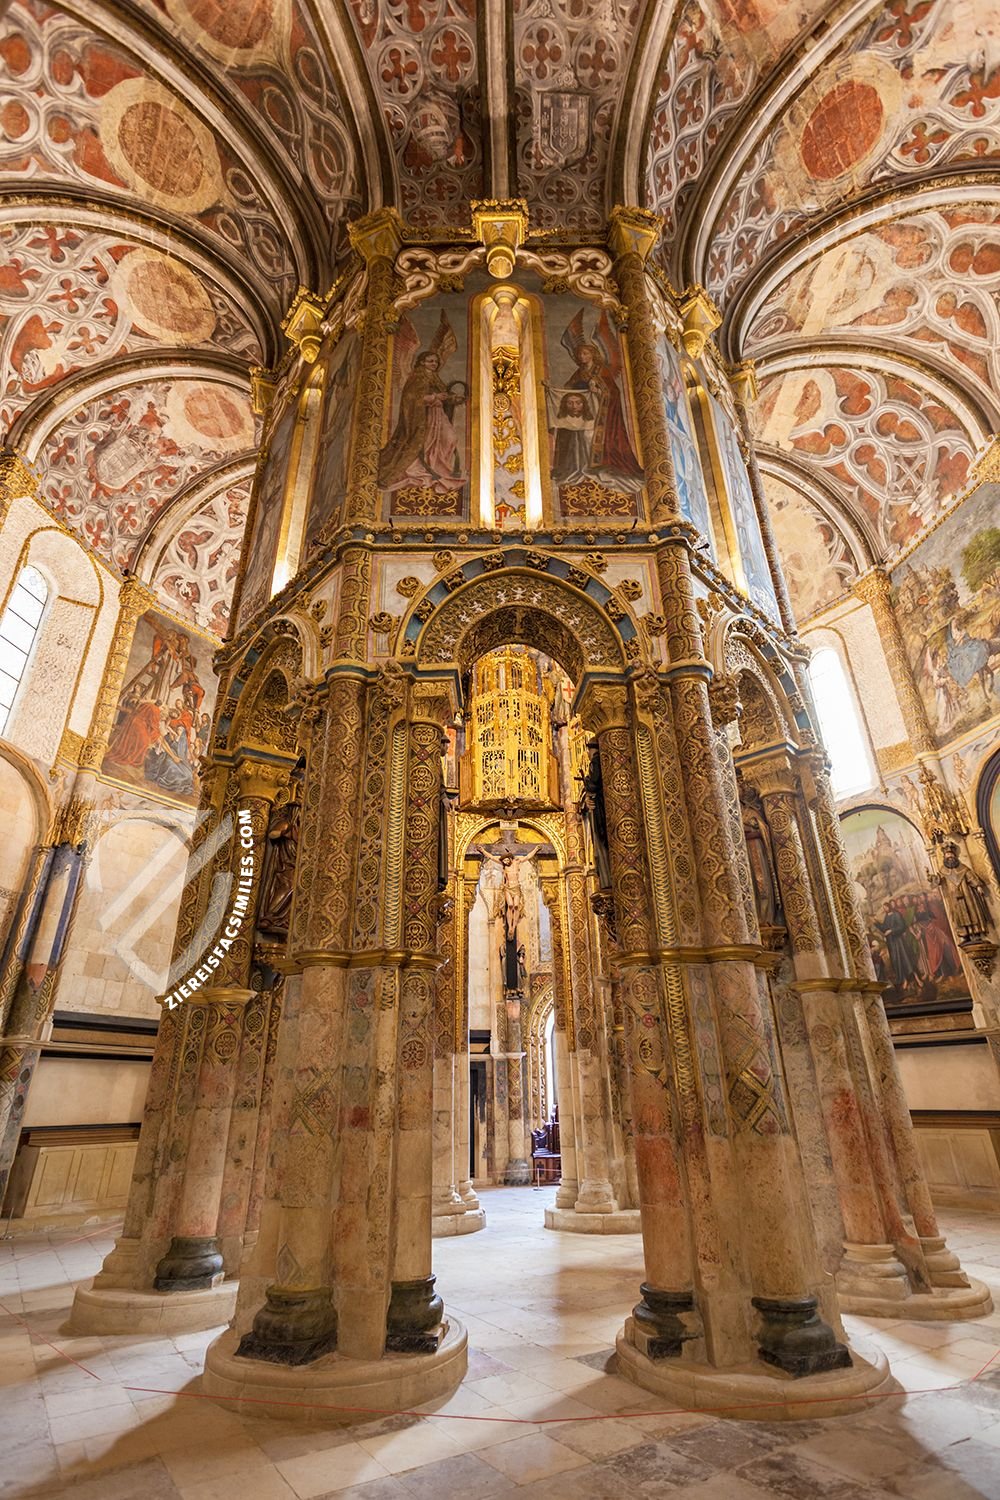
196, 570
947, 598
262, 546
683, 444
756, 571
424, 464
910, 937
164, 715
330, 483
594, 465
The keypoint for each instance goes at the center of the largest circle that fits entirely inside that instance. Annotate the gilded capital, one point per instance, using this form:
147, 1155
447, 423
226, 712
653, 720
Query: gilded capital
303, 323
633, 231
259, 778
724, 700
501, 224
263, 384
700, 318
874, 588
17, 477
377, 236
743, 379
604, 706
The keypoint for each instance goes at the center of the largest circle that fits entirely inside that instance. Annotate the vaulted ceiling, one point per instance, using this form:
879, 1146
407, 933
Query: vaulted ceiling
171, 170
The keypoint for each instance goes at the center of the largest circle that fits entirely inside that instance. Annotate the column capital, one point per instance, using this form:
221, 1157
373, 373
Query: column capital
724, 700
633, 231
873, 587
604, 705
18, 477
261, 778
377, 236
772, 777
700, 317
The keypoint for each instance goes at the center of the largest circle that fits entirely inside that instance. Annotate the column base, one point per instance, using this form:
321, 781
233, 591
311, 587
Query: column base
622, 1221
445, 1225
958, 1304
517, 1172
871, 1278
943, 1265
414, 1321
567, 1193
193, 1263
334, 1383
759, 1394
123, 1310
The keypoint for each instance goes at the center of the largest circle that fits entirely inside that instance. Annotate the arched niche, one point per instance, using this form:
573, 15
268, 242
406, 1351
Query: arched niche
25, 813
66, 663
118, 956
518, 597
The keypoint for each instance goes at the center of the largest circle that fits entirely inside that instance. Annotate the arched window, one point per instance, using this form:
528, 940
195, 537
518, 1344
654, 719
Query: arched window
845, 739
18, 633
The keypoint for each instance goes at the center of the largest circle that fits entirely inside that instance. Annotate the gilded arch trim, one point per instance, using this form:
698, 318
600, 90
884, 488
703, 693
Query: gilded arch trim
524, 597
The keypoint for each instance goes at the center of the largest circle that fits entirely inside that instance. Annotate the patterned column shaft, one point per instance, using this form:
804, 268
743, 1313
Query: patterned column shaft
662, 1182
570, 1134
852, 1151
377, 238
133, 601
632, 236
596, 1194
875, 589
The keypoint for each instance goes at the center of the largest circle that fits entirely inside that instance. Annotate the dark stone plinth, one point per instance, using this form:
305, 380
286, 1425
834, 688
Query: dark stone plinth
666, 1320
517, 1172
793, 1336
192, 1264
413, 1322
292, 1328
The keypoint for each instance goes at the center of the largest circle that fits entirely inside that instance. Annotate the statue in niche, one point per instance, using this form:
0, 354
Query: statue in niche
594, 815
277, 880
770, 917
506, 900
967, 896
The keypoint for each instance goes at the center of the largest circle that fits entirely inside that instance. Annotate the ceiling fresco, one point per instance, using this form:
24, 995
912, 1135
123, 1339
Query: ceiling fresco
171, 170
570, 58
817, 562
894, 454
119, 460
195, 570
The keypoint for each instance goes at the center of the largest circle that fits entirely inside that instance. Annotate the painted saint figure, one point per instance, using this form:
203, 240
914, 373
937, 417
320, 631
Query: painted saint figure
587, 414
424, 448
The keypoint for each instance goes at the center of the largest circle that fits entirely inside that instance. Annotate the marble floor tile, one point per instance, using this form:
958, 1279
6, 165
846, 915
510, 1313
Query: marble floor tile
542, 1413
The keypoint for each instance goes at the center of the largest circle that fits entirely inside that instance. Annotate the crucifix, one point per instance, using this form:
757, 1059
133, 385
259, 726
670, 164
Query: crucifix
508, 905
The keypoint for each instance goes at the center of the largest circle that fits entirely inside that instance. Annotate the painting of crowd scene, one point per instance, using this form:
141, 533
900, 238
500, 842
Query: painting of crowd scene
164, 714
947, 598
910, 938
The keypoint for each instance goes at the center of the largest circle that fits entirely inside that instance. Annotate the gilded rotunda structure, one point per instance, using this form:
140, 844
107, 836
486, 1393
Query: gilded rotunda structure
494, 640
499, 711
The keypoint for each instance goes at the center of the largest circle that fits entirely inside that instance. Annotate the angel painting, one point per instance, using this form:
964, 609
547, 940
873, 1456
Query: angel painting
426, 445
586, 415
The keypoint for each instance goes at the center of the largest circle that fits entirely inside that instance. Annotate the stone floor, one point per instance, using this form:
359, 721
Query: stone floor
120, 1419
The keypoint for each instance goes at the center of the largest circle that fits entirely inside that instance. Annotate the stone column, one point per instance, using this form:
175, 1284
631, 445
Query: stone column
563, 1054
464, 896
454, 1212
874, 588
666, 1316
216, 1025
414, 1318
872, 1224
40, 937
377, 238
596, 1194
955, 1294
298, 1320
